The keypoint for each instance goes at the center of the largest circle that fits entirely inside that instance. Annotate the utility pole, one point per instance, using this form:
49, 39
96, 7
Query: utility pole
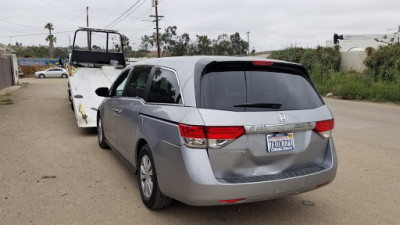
155, 4
248, 42
87, 16
87, 25
69, 46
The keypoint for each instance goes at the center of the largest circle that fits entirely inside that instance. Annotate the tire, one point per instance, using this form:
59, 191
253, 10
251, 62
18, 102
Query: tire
100, 134
41, 76
147, 180
69, 92
69, 96
64, 75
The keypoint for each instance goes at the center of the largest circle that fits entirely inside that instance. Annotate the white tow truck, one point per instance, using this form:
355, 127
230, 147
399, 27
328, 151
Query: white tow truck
95, 61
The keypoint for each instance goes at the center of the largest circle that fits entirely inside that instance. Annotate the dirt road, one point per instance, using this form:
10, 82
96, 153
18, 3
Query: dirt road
52, 172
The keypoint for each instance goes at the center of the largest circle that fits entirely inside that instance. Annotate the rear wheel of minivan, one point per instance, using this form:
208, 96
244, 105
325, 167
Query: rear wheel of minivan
147, 179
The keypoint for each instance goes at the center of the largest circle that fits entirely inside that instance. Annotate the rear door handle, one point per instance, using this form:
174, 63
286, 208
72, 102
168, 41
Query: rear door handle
117, 111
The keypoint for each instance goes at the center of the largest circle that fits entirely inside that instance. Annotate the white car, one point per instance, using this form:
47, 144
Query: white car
52, 72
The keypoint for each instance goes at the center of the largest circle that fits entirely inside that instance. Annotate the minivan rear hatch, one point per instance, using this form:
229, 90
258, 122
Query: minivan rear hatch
279, 109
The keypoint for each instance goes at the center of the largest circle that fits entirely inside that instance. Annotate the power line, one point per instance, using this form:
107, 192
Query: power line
69, 21
147, 28
21, 25
130, 13
6, 21
137, 18
26, 35
123, 13
56, 7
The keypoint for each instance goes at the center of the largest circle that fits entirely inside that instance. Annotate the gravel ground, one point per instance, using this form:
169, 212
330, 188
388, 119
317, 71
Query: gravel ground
52, 172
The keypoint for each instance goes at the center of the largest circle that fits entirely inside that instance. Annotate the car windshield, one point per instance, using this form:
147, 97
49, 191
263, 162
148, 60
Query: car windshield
257, 91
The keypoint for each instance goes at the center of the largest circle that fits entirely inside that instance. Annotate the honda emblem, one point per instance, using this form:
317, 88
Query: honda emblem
282, 117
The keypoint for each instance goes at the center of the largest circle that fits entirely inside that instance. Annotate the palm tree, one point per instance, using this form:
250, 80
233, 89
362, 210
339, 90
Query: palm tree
51, 39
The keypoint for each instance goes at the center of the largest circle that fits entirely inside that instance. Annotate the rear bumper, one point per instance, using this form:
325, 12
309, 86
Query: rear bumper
190, 178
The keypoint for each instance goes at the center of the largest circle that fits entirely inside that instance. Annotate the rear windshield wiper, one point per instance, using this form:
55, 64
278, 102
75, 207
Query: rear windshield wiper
261, 105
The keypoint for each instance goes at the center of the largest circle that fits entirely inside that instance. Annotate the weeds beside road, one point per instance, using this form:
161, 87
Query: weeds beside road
6, 99
356, 86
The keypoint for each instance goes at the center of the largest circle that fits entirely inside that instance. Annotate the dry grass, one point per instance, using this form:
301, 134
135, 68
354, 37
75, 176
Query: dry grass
30, 70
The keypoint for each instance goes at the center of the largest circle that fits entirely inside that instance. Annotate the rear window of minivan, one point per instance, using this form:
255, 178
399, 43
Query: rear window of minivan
255, 90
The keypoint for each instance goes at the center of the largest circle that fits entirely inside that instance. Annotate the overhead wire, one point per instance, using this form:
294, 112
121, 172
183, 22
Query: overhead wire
75, 18
6, 21
130, 13
56, 7
136, 19
123, 14
26, 35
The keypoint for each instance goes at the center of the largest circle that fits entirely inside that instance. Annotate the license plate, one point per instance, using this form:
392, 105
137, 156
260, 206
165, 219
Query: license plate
280, 142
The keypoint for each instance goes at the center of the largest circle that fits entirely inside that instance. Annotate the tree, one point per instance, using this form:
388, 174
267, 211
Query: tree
61, 53
127, 47
97, 48
146, 44
222, 46
168, 40
173, 44
203, 46
51, 39
239, 46
180, 46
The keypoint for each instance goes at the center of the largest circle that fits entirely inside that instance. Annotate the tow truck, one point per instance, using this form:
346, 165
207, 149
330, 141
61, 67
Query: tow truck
94, 62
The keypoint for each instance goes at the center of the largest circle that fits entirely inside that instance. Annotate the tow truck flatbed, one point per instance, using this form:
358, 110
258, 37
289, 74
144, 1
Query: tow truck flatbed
90, 68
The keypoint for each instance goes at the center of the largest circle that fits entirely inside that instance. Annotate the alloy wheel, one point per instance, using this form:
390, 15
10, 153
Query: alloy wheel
146, 176
100, 131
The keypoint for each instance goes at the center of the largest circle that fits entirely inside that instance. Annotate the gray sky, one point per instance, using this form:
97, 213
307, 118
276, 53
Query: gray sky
272, 24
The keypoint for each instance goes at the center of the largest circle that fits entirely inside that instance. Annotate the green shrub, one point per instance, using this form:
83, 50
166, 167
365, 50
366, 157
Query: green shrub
357, 86
328, 58
383, 63
380, 82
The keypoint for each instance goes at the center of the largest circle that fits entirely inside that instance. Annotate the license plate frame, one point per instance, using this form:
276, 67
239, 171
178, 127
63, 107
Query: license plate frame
280, 142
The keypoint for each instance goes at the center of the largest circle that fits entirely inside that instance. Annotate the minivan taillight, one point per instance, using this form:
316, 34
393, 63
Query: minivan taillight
324, 128
193, 136
212, 137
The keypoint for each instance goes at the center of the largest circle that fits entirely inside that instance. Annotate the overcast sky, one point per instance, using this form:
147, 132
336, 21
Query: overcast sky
272, 24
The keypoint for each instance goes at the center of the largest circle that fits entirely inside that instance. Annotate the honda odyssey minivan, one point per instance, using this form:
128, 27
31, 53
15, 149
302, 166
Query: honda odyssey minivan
218, 130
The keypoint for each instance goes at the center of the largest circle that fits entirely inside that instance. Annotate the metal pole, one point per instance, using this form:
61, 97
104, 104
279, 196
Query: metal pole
248, 42
69, 44
87, 16
157, 18
157, 30
87, 25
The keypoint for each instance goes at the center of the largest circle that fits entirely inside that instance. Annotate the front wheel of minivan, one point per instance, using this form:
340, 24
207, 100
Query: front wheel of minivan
100, 134
148, 185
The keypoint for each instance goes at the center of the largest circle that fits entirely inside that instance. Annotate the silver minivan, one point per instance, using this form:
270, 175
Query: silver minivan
218, 130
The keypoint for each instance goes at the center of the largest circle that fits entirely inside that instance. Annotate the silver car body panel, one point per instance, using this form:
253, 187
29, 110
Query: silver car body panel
190, 179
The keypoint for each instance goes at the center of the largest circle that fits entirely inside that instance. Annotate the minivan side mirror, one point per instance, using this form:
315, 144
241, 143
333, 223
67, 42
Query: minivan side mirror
102, 92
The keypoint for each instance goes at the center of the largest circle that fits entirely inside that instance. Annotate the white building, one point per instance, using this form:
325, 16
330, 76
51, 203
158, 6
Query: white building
359, 42
352, 48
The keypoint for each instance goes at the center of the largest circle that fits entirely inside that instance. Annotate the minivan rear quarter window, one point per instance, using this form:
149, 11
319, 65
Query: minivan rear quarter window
164, 88
250, 90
